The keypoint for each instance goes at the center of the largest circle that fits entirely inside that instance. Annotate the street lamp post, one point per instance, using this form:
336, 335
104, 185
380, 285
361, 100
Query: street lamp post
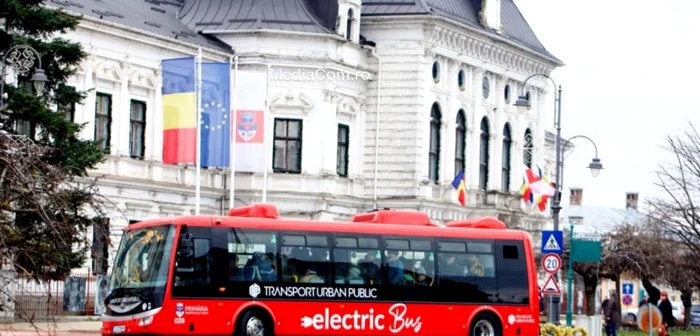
523, 103
595, 166
21, 59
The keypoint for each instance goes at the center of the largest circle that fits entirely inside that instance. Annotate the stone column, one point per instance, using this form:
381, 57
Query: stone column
87, 110
474, 142
329, 132
156, 127
121, 116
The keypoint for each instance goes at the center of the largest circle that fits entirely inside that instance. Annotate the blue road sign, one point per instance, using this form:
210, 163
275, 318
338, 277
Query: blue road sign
552, 242
627, 288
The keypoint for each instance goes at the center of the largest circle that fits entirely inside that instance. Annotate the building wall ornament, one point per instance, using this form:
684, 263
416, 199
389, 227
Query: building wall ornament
291, 100
484, 50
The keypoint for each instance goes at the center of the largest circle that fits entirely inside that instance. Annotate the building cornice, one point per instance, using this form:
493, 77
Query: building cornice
468, 41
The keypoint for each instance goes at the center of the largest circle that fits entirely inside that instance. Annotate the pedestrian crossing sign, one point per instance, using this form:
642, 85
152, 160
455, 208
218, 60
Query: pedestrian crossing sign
552, 242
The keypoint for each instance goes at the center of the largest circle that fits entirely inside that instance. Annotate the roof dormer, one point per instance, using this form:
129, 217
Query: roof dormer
349, 19
491, 15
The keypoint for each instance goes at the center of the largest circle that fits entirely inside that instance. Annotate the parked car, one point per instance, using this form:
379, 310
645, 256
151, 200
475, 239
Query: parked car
678, 312
695, 315
629, 316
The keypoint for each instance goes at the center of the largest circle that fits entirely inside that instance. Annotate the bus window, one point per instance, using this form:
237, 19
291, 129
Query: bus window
470, 267
305, 258
357, 261
193, 277
408, 262
252, 255
512, 273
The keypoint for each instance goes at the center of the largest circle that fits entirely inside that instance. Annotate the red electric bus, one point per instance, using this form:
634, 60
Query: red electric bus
385, 272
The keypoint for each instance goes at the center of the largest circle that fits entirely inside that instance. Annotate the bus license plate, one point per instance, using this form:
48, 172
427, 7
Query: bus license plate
118, 329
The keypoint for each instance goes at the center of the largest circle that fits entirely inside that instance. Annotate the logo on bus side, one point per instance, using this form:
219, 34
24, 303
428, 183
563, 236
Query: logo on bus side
397, 320
254, 290
312, 292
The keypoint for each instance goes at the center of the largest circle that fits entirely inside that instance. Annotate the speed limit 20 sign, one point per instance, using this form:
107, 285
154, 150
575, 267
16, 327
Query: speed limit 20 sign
551, 263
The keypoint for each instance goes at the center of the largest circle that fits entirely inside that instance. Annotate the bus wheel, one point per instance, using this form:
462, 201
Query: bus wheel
485, 325
255, 322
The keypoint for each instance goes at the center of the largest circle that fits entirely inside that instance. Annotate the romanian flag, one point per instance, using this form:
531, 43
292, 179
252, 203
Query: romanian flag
179, 111
460, 184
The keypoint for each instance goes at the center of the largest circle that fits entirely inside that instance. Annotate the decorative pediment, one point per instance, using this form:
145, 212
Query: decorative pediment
348, 108
108, 70
145, 78
292, 100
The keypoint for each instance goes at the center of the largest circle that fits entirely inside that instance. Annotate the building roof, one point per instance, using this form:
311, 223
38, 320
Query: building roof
600, 219
187, 19
284, 15
466, 12
153, 16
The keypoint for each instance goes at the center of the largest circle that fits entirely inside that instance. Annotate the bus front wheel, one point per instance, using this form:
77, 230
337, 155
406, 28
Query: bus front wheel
254, 322
485, 325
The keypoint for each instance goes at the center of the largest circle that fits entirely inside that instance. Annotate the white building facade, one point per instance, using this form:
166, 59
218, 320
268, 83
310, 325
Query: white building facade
434, 95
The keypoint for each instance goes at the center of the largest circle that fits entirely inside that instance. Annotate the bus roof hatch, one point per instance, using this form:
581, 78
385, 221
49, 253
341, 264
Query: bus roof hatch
255, 210
479, 223
394, 217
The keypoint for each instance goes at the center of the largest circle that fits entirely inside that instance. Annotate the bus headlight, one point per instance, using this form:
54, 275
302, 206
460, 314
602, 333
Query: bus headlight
146, 321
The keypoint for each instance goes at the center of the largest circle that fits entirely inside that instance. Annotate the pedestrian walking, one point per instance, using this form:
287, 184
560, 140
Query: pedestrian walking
612, 314
666, 314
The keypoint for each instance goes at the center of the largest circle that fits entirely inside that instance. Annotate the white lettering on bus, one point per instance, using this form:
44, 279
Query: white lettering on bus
321, 292
369, 321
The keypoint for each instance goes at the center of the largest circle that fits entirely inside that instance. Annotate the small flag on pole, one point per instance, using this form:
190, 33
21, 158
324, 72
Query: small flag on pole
460, 184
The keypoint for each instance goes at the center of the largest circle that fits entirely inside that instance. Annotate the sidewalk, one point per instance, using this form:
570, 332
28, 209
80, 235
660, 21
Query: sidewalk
53, 326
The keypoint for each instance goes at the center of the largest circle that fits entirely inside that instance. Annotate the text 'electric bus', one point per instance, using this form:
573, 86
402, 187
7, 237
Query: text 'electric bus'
384, 273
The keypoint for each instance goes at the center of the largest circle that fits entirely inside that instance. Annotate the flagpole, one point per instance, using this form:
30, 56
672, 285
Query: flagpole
234, 126
266, 128
198, 144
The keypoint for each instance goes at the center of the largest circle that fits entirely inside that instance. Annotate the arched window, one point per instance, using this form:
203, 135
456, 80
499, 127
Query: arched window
460, 142
507, 148
484, 154
528, 149
435, 122
348, 25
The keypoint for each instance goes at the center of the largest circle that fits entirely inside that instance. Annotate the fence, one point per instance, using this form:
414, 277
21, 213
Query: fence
48, 299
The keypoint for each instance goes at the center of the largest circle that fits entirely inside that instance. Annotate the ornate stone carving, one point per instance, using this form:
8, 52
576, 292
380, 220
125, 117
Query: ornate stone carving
501, 56
291, 100
107, 70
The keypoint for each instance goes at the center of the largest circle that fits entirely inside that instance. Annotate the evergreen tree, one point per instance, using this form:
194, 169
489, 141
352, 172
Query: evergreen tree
44, 234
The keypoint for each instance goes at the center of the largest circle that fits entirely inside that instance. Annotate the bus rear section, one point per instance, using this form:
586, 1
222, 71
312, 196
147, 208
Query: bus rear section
266, 276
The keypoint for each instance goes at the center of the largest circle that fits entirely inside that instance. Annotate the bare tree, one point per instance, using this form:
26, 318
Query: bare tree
45, 212
676, 213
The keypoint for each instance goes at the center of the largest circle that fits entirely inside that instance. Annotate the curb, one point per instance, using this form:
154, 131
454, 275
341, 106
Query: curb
78, 331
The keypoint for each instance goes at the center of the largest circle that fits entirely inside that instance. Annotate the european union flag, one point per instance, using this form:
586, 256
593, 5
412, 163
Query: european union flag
216, 102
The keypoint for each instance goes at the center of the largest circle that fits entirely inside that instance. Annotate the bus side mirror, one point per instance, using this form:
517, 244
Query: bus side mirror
185, 252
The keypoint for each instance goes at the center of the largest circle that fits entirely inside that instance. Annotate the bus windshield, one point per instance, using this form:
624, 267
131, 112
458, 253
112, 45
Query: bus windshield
143, 258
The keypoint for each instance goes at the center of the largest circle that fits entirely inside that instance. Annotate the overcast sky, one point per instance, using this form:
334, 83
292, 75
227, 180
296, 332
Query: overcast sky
631, 77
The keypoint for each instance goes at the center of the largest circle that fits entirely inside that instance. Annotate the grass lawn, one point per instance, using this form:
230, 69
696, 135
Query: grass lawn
673, 333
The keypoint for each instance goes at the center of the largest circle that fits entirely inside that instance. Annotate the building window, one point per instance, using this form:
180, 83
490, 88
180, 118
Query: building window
287, 151
137, 134
348, 25
484, 155
343, 146
103, 119
461, 81
435, 121
507, 148
528, 149
506, 93
436, 72
68, 110
100, 245
460, 142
